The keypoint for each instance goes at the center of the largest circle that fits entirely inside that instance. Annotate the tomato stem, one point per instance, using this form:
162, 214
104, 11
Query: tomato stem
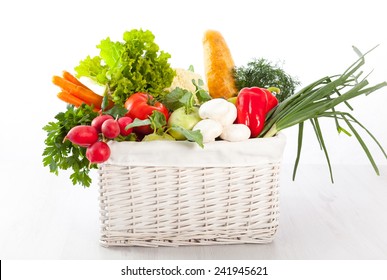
150, 101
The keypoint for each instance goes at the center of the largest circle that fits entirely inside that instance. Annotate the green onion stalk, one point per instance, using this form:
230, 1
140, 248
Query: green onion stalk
319, 99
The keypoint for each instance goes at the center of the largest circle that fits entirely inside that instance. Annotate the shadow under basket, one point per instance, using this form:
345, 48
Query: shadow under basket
174, 193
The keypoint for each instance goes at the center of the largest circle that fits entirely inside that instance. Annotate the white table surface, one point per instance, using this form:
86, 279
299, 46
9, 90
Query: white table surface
48, 218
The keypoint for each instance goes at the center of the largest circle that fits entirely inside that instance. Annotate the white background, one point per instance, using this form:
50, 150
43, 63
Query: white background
311, 38
39, 39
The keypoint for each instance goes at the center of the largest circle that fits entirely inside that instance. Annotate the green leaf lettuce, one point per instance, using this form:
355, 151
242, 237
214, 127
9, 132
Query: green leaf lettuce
134, 65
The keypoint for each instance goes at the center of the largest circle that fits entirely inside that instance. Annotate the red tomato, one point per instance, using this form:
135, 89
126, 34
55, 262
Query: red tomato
141, 105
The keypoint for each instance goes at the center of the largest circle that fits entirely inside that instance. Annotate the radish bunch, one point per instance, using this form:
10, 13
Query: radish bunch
88, 136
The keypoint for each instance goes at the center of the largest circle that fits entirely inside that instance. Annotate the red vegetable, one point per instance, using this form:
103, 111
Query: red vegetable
124, 122
272, 101
141, 106
252, 106
110, 128
82, 135
98, 121
98, 152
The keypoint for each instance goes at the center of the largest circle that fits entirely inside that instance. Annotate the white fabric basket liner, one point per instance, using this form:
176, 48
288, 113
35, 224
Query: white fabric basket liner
188, 154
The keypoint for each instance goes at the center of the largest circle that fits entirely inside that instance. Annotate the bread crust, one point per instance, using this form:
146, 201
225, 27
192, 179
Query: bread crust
218, 66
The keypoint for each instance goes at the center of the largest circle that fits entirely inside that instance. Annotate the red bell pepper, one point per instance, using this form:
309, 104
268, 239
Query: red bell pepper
272, 101
141, 105
252, 106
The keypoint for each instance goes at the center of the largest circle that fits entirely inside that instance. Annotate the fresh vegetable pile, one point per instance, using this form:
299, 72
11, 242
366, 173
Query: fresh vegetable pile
145, 99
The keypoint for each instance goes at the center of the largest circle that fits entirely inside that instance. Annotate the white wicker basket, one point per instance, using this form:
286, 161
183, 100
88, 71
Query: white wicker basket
175, 193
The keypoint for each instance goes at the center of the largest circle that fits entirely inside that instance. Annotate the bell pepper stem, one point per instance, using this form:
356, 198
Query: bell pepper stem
274, 90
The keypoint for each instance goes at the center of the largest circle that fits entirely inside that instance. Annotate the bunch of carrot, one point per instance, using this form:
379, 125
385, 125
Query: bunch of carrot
76, 93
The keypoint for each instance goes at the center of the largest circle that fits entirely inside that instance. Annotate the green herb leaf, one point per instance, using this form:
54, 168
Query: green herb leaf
137, 122
202, 95
105, 102
117, 111
186, 99
263, 73
59, 155
193, 136
177, 98
158, 122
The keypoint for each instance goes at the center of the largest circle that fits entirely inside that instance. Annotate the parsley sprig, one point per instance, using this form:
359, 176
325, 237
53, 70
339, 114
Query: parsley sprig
64, 155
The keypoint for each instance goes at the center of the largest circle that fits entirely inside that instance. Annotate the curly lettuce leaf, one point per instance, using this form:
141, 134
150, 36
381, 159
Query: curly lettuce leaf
134, 65
92, 68
110, 52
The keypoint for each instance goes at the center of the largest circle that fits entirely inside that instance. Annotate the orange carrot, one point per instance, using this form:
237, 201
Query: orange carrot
90, 97
71, 99
69, 77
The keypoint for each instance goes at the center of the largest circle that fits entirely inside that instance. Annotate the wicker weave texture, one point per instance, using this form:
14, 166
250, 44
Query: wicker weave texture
172, 206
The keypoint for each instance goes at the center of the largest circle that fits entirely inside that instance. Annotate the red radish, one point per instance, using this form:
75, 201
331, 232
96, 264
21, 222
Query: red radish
98, 152
124, 122
110, 128
98, 121
82, 135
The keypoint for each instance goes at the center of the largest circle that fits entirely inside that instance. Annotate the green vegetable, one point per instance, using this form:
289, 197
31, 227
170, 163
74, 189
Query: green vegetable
193, 136
201, 94
318, 100
158, 124
135, 65
262, 73
181, 118
177, 98
184, 106
156, 137
65, 155
180, 97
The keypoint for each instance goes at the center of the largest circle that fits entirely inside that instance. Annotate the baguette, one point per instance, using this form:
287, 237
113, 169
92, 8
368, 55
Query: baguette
218, 66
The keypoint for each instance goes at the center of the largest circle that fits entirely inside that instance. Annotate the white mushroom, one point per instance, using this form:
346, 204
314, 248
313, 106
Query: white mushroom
220, 110
210, 129
235, 132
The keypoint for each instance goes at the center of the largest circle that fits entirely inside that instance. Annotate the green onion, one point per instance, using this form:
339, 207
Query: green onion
318, 100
